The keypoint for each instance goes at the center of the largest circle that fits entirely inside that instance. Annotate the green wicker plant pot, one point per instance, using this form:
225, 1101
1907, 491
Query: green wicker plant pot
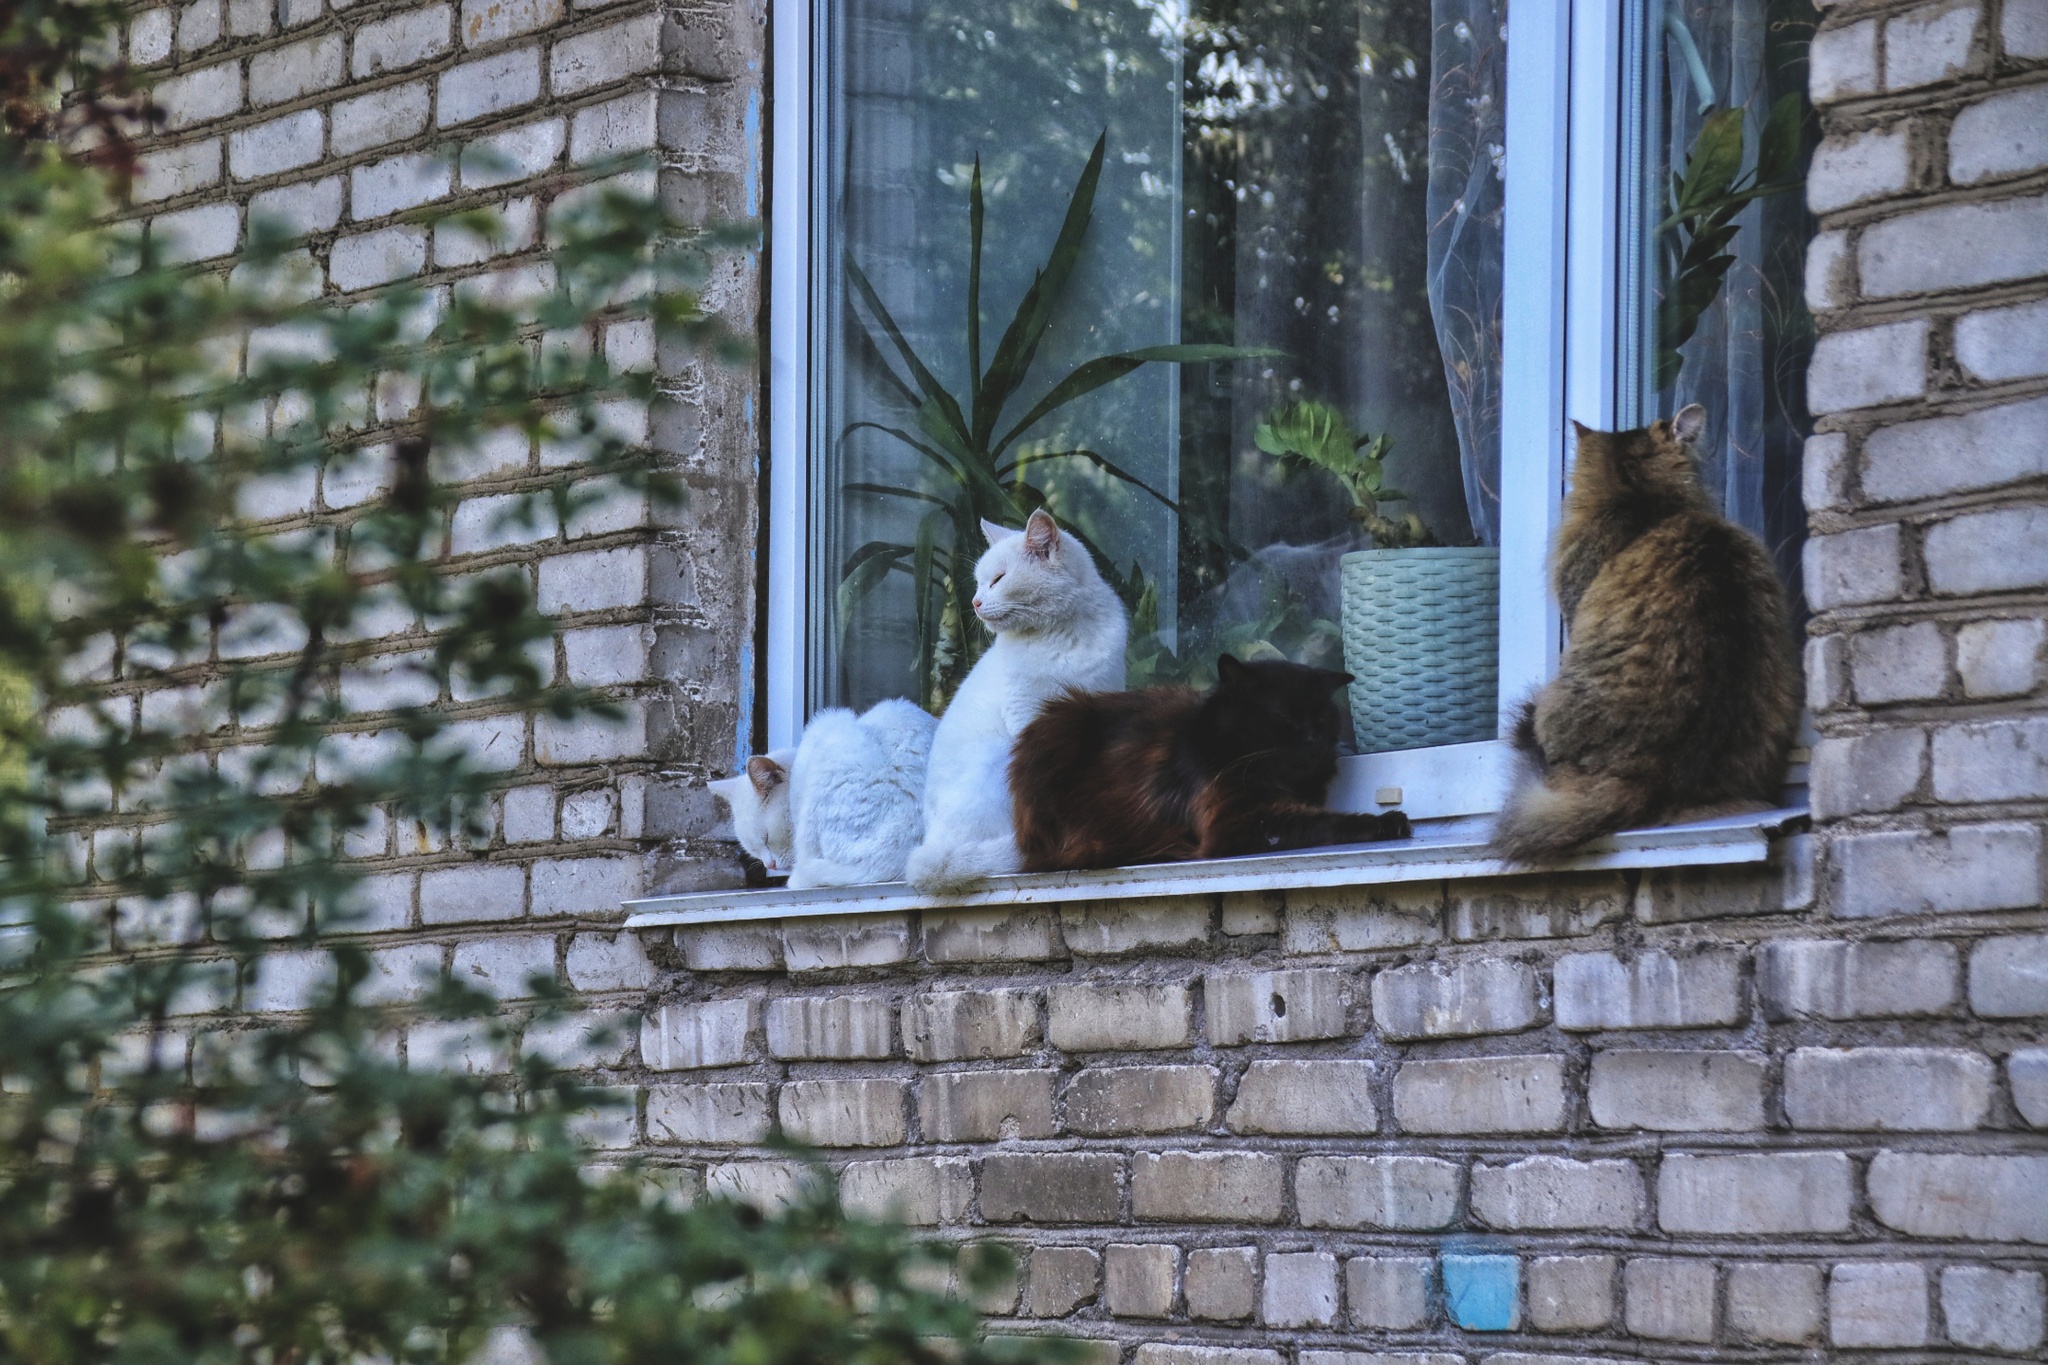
1422, 644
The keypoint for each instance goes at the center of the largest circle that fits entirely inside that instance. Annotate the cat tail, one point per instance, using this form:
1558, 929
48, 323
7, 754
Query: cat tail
1549, 813
937, 871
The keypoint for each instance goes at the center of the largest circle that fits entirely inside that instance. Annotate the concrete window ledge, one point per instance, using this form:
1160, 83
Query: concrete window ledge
1454, 851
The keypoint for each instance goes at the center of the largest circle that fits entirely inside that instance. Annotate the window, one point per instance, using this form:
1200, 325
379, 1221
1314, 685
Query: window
1343, 279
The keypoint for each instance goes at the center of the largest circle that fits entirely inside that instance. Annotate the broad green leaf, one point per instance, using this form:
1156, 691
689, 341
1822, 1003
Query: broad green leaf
865, 569
974, 220
1092, 375
1715, 159
1777, 149
927, 383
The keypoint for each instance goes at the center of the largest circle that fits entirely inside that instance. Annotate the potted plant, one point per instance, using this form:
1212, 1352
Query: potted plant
1421, 619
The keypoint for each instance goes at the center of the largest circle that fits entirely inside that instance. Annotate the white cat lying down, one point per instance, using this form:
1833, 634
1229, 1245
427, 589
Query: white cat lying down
845, 809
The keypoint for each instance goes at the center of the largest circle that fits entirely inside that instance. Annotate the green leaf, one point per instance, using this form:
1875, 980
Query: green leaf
1092, 375
1015, 352
934, 393
974, 219
1716, 157
1777, 150
865, 569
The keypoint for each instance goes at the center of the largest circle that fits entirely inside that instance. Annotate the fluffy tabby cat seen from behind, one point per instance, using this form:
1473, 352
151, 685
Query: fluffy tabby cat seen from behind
1678, 692
1111, 778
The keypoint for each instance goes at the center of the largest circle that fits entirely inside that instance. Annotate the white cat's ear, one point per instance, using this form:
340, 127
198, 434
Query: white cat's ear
1041, 535
1690, 423
766, 774
994, 534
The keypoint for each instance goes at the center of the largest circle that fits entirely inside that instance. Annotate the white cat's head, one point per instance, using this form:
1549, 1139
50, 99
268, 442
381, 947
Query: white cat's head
759, 801
1034, 579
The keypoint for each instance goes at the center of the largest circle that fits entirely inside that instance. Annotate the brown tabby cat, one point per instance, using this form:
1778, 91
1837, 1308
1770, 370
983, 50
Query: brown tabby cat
1678, 689
1105, 779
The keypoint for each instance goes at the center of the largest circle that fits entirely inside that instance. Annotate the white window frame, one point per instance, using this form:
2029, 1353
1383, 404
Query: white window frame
1560, 362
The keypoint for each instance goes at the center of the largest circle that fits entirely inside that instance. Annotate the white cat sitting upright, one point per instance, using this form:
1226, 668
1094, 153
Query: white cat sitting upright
1057, 625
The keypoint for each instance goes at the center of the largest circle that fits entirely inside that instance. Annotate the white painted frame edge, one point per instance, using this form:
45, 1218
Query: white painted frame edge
1558, 340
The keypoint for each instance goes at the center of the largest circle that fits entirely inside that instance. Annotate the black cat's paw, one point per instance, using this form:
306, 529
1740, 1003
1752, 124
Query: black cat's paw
1394, 825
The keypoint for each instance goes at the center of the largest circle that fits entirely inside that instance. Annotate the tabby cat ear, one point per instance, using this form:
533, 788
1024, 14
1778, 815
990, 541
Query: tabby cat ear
766, 774
1690, 422
1041, 535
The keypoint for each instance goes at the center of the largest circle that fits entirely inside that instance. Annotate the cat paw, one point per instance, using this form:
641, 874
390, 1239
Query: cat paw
1394, 825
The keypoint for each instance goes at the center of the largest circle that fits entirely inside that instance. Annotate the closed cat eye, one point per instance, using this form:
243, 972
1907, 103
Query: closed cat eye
997, 579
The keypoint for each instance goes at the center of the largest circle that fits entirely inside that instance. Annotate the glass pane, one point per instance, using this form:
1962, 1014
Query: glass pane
1721, 227
1309, 188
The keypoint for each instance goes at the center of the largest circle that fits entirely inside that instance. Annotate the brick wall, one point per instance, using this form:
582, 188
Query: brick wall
1665, 1115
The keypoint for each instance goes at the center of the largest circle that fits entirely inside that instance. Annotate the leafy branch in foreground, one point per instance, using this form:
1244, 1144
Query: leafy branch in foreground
978, 464
231, 1134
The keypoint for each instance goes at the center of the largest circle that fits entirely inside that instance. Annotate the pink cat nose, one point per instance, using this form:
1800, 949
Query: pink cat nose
977, 604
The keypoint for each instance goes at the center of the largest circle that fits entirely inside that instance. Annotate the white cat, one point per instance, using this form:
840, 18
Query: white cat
759, 801
855, 793
1058, 625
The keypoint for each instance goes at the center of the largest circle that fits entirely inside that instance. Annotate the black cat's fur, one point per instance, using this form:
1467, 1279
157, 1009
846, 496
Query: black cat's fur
1106, 779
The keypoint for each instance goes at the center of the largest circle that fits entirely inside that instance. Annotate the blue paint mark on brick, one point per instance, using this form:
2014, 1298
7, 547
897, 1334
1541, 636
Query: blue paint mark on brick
1482, 1292
751, 126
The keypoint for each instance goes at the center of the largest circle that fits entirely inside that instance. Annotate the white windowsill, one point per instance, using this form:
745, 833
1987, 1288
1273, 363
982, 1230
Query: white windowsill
1456, 849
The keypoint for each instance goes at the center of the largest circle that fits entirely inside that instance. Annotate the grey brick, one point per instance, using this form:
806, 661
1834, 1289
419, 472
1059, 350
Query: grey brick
1887, 1089
2009, 977
1821, 979
397, 184
490, 21
1061, 1279
1533, 907
1206, 1187
1275, 1007
589, 60
1989, 1198
1390, 1293
1654, 990
282, 144
1106, 1101
1749, 1194
1164, 1353
1848, 568
1107, 928
1481, 1095
489, 85
765, 1185
1118, 1017
1361, 919
1850, 168
199, 96
985, 1106
710, 1115
1455, 999
2000, 658
953, 1026
866, 1112
1955, 246
404, 39
920, 1191
1868, 366
2023, 28
1898, 663
1051, 1187
1552, 1192
687, 1037
1308, 1357
373, 258
171, 171
2005, 343
1843, 62
285, 73
1995, 551
1137, 1280
204, 232
477, 891
730, 947
1278, 1097
1910, 872
990, 936
1678, 1092
1774, 1301
1300, 1290
1569, 1293
2002, 135
506, 968
1222, 1283
824, 945
1877, 1303
1990, 1309
1993, 760
1401, 1193
1669, 1299
830, 1026
1829, 283
1867, 773
515, 154
2027, 1071
300, 209
1247, 913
